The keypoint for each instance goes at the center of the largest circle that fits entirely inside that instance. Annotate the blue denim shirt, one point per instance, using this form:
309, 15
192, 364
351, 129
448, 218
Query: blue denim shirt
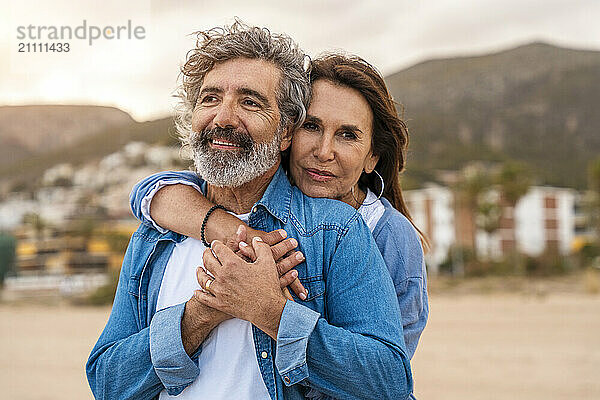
395, 236
400, 246
345, 340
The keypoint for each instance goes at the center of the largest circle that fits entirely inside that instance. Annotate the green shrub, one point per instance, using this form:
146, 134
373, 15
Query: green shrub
7, 255
548, 264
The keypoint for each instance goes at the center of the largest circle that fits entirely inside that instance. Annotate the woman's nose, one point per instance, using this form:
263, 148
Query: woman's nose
324, 149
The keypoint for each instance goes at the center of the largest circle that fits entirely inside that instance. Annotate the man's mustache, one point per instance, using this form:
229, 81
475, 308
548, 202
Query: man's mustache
204, 137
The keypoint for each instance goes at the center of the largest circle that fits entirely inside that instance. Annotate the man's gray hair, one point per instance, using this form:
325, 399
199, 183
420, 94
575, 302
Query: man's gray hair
242, 41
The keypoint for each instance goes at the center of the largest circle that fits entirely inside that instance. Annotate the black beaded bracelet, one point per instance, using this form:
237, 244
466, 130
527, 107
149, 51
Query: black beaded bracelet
210, 211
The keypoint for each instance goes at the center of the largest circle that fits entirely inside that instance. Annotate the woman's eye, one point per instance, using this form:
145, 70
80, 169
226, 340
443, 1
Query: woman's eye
348, 135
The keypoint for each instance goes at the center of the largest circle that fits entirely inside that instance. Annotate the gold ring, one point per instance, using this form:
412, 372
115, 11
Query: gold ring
208, 283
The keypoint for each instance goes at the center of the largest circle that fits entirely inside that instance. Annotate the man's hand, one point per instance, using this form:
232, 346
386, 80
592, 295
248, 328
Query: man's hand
246, 290
283, 253
197, 322
245, 233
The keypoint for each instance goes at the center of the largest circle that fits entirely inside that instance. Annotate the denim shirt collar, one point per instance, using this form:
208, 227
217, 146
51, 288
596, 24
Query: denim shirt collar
276, 199
278, 196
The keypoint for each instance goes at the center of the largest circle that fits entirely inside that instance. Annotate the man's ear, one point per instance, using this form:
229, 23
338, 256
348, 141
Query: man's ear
286, 138
371, 163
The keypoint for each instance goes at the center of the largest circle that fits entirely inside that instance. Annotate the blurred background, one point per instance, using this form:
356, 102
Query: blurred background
503, 174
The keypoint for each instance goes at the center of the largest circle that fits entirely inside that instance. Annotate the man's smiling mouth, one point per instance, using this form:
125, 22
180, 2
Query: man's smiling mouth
224, 144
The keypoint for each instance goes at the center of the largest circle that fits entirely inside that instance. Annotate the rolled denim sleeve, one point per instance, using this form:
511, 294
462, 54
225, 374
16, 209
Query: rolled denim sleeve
173, 366
147, 199
296, 324
144, 187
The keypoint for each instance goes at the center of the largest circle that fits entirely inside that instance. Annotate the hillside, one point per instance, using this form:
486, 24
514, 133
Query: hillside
26, 172
535, 103
26, 131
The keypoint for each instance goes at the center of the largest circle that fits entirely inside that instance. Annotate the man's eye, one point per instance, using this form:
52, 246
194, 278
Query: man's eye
208, 99
251, 103
310, 126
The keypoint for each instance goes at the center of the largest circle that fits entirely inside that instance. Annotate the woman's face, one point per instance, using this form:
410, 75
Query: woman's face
333, 146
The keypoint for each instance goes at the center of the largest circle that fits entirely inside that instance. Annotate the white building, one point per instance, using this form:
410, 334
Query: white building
432, 211
543, 220
14, 209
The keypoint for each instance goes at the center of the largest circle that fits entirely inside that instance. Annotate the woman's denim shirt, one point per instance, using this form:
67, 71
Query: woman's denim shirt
345, 340
400, 246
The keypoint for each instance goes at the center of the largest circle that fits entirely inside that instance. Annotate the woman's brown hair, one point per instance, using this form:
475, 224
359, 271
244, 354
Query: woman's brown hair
390, 134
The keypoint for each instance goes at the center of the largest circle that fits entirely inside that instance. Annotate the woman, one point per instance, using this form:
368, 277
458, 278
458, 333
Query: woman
351, 147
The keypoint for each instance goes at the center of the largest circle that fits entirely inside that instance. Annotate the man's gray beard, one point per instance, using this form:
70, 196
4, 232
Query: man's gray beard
225, 168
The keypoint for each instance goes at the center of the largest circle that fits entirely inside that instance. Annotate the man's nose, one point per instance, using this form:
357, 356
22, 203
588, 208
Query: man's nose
226, 116
324, 151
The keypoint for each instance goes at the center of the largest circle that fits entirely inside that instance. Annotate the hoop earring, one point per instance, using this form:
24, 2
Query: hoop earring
378, 197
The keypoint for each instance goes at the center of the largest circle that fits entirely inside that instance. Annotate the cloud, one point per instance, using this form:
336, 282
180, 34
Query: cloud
140, 76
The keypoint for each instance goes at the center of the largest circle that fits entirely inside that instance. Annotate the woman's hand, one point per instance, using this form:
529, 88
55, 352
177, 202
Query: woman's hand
246, 290
283, 249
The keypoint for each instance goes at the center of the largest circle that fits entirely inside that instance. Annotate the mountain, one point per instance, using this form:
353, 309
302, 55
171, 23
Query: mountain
535, 103
26, 131
105, 138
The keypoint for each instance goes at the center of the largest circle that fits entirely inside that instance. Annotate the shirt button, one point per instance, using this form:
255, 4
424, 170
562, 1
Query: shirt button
264, 354
255, 209
286, 379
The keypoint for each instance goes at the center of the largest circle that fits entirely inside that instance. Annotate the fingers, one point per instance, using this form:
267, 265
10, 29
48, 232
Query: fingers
240, 235
247, 251
287, 294
273, 237
262, 250
288, 278
243, 256
279, 250
291, 279
283, 247
222, 252
300, 290
206, 281
289, 262
211, 263
207, 299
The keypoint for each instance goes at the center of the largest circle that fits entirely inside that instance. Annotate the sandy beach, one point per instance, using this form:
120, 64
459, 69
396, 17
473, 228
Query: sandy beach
485, 346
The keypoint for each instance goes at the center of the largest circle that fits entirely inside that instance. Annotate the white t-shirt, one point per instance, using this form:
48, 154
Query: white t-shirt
227, 362
371, 210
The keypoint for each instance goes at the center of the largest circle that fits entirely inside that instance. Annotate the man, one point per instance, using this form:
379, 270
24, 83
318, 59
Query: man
244, 91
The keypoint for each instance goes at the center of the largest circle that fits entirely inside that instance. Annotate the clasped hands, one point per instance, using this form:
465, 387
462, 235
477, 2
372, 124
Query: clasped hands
251, 282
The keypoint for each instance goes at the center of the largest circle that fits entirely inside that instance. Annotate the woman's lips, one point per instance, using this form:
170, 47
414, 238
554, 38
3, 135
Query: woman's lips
319, 175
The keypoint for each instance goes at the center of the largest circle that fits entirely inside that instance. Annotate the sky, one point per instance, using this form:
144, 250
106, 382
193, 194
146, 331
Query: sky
139, 74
